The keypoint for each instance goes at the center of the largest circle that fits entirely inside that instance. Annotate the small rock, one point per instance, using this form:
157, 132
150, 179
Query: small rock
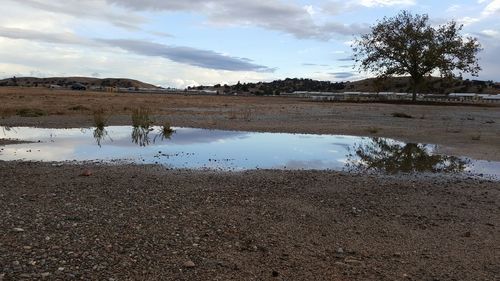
45, 274
86, 173
18, 229
339, 251
189, 264
15, 263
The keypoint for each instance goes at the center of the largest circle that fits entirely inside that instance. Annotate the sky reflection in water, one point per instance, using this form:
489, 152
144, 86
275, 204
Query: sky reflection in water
233, 150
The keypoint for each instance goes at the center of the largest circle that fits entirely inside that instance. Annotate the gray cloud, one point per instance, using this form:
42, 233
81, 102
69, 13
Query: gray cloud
315, 64
342, 75
346, 59
268, 14
187, 55
96, 9
283, 16
58, 38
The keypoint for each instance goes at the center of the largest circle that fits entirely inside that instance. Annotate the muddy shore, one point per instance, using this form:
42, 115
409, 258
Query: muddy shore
67, 221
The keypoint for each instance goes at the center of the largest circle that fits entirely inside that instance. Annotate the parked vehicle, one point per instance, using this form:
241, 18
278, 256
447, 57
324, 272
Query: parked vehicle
78, 87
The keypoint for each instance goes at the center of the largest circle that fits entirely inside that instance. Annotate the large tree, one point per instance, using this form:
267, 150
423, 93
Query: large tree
408, 44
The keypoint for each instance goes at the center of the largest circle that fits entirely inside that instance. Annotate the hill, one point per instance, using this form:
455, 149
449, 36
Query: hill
89, 82
433, 85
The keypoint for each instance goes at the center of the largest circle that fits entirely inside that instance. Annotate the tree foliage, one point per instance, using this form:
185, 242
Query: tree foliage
408, 44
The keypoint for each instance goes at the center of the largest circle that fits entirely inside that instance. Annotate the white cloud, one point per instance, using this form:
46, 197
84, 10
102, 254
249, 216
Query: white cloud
374, 3
66, 60
490, 33
491, 9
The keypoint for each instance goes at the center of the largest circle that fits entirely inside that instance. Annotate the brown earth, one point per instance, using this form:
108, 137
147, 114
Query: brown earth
99, 222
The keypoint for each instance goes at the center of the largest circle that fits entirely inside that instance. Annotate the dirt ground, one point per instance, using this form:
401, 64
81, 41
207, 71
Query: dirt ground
126, 222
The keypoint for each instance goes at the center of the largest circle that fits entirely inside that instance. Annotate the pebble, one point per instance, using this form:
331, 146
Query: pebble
45, 274
339, 251
86, 173
189, 264
18, 229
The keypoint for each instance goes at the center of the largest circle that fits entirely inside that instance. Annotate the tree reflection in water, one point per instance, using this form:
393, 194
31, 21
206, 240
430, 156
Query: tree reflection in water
383, 155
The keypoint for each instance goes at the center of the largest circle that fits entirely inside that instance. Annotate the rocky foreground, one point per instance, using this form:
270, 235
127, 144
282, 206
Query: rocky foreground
98, 222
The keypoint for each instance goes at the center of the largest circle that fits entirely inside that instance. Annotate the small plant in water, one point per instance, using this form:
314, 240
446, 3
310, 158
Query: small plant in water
140, 118
100, 118
166, 132
100, 121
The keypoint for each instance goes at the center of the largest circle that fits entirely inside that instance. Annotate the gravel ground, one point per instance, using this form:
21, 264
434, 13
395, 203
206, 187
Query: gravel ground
98, 222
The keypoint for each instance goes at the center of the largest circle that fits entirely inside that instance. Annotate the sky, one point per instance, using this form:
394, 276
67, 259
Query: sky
180, 43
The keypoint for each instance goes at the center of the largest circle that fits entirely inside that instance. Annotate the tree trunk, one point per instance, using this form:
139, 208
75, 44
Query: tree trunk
416, 83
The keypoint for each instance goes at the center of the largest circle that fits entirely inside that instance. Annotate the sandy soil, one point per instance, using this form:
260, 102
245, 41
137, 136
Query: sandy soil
459, 130
97, 222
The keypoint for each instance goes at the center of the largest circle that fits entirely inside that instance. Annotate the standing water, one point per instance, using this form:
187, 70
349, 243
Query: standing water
233, 150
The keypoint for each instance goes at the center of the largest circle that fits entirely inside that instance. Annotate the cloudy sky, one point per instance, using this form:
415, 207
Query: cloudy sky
178, 43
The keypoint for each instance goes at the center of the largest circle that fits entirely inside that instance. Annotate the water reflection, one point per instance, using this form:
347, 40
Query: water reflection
165, 133
389, 156
99, 135
231, 150
140, 135
100, 121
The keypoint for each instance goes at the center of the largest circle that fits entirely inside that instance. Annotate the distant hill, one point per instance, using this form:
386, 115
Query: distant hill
433, 85
89, 82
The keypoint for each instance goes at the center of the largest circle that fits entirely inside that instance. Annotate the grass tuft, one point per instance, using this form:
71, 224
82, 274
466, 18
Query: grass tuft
30, 112
100, 118
401, 115
141, 118
79, 108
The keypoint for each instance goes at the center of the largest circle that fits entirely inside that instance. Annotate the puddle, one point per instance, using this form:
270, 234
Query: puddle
232, 150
